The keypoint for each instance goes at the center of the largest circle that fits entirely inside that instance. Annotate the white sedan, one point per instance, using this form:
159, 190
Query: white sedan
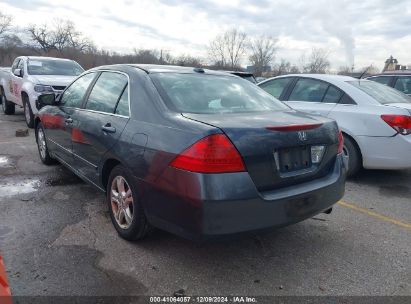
375, 119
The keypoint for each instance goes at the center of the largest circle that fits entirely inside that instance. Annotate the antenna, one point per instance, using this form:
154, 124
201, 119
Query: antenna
365, 71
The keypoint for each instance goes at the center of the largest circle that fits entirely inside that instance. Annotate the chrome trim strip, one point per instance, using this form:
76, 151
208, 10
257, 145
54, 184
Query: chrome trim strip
79, 174
99, 112
74, 154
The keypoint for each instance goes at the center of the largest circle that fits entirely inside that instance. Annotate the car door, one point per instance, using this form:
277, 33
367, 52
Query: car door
18, 83
313, 96
100, 122
14, 80
277, 87
60, 121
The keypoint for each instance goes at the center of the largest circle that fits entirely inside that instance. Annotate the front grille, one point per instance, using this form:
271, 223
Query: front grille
58, 88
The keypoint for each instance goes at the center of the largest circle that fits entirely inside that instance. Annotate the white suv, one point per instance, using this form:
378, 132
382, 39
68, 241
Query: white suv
32, 76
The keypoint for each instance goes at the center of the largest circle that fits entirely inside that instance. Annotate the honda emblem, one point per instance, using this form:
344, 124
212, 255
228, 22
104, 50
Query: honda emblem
302, 135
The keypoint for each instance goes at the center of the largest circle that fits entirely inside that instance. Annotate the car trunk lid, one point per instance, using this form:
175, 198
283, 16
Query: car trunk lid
276, 145
402, 105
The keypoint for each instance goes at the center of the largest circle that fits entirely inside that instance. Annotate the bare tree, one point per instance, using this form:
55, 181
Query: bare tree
263, 51
62, 35
317, 62
187, 60
344, 70
5, 23
146, 56
40, 35
285, 67
227, 49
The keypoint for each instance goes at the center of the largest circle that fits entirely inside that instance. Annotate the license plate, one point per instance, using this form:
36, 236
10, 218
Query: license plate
293, 159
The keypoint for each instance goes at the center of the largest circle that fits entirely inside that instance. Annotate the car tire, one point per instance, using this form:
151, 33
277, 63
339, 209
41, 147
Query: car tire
28, 113
8, 107
126, 211
42, 146
350, 150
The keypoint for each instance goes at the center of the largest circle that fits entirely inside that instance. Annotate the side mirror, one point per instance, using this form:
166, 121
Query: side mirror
18, 72
46, 100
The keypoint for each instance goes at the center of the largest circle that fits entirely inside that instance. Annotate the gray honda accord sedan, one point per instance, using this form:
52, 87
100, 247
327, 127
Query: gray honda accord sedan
198, 153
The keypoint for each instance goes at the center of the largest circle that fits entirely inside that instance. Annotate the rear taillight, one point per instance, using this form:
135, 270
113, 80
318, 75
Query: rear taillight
212, 154
340, 142
400, 123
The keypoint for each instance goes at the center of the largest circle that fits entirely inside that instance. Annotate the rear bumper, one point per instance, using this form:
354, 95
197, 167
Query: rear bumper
222, 205
386, 152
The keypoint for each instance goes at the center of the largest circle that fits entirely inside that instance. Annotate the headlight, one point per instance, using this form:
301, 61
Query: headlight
39, 88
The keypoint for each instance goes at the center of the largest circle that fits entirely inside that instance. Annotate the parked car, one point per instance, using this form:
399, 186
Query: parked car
375, 119
400, 80
31, 76
195, 152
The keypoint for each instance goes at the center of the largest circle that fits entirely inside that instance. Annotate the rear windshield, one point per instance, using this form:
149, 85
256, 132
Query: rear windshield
382, 93
210, 94
53, 67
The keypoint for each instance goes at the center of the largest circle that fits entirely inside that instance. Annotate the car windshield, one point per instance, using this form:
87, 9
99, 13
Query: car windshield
381, 93
53, 67
210, 94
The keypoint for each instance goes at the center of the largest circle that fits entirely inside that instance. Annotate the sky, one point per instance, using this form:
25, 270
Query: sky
354, 32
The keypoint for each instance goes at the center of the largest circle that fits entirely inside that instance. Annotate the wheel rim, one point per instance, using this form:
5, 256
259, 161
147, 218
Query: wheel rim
122, 203
27, 112
41, 142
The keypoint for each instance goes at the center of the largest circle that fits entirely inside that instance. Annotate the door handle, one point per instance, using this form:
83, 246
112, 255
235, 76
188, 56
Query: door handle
69, 120
108, 128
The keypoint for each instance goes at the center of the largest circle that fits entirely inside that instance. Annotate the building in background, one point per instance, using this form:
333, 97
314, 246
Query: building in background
391, 64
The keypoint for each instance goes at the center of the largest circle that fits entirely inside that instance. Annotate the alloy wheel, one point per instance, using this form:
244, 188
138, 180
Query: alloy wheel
27, 112
41, 141
122, 202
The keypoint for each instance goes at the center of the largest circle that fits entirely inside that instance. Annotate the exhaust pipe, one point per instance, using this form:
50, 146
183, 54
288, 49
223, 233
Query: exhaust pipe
328, 211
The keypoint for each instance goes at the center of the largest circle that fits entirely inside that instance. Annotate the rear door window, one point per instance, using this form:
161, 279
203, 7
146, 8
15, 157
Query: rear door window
310, 90
333, 95
123, 104
106, 92
276, 87
347, 100
403, 84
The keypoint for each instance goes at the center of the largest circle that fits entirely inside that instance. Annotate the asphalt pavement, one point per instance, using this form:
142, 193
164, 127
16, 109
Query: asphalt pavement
56, 238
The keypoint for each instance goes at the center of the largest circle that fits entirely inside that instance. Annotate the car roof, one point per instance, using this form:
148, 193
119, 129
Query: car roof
333, 79
44, 57
157, 68
393, 73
